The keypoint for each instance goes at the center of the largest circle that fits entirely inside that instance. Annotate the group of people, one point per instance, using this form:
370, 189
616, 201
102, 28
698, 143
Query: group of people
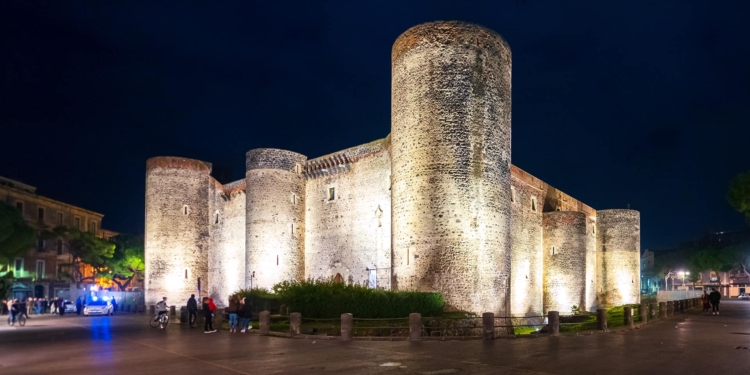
711, 301
237, 309
32, 306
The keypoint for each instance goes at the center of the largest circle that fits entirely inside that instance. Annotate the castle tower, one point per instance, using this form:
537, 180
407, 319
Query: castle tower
618, 257
275, 221
450, 133
565, 252
176, 239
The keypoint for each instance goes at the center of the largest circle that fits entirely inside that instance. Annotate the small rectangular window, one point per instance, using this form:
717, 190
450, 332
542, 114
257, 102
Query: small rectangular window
552, 251
18, 265
40, 269
59, 247
77, 222
59, 218
19, 206
186, 273
185, 210
331, 194
92, 227
39, 244
40, 214
533, 204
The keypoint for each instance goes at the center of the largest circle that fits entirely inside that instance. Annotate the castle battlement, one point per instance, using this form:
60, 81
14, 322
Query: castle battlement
436, 205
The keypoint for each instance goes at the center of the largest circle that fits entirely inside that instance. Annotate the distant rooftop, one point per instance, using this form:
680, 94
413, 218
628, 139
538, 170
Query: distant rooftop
16, 184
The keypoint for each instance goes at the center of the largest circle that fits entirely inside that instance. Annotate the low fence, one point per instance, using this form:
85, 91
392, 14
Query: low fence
676, 295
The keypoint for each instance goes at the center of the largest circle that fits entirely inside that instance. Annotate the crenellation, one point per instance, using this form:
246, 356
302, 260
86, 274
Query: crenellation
435, 206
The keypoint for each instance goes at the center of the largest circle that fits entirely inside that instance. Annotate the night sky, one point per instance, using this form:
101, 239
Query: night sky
615, 105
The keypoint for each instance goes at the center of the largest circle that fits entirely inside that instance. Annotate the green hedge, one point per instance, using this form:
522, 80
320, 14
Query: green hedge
261, 299
329, 299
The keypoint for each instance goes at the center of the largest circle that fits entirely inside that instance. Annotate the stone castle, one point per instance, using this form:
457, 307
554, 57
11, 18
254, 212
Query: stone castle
434, 206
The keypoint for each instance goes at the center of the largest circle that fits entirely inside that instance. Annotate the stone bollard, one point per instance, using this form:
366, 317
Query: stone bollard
152, 310
347, 325
653, 309
264, 323
172, 311
643, 310
295, 323
628, 315
488, 326
601, 319
662, 309
670, 308
553, 321
415, 327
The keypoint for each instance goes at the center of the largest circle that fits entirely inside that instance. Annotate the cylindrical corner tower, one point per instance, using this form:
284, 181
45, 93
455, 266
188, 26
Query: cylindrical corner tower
450, 132
275, 222
564, 261
618, 238
176, 238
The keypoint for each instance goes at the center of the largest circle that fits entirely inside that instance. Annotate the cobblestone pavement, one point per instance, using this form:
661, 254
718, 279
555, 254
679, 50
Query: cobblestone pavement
690, 343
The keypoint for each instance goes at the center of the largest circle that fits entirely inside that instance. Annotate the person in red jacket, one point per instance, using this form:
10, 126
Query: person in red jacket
208, 313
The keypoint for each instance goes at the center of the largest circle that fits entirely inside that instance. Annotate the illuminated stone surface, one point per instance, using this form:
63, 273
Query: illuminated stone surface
435, 206
618, 257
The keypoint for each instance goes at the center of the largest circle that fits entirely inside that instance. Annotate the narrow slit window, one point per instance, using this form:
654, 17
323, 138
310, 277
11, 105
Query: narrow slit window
512, 195
292, 230
331, 194
216, 218
533, 204
185, 210
407, 256
59, 218
552, 251
277, 260
186, 273
40, 214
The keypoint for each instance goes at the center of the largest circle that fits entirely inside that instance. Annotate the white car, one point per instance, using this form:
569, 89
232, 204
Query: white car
98, 308
743, 296
70, 307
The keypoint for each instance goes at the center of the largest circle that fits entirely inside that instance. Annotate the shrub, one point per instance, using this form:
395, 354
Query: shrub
329, 299
260, 299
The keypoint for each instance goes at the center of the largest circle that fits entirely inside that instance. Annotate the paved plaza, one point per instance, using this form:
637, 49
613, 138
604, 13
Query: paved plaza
690, 343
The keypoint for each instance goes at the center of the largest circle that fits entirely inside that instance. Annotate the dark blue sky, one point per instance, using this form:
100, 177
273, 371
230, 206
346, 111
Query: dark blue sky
615, 104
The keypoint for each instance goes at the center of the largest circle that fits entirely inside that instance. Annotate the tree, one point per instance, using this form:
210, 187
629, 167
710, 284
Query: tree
85, 248
16, 237
127, 262
738, 194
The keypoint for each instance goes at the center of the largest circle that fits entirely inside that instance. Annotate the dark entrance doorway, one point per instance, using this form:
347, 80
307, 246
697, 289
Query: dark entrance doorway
39, 291
338, 278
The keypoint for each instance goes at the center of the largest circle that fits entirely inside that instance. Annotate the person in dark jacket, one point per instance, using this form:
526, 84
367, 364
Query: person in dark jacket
79, 306
714, 297
192, 308
233, 309
208, 327
246, 312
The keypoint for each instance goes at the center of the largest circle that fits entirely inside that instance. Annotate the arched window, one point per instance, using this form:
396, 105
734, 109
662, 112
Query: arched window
338, 278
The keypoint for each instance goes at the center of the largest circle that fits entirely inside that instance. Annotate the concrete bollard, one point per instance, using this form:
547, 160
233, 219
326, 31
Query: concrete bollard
172, 311
152, 310
347, 326
264, 323
653, 311
488, 326
643, 310
553, 321
662, 309
670, 308
415, 327
601, 319
295, 323
628, 315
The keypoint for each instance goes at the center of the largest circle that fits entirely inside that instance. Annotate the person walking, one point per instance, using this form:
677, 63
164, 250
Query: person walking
79, 305
192, 309
705, 302
38, 306
61, 306
715, 298
208, 327
233, 309
29, 306
246, 312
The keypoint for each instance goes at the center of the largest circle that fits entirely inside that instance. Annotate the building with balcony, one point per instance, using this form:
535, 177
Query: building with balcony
42, 271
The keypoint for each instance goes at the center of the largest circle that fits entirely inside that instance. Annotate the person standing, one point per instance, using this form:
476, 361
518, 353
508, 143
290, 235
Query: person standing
53, 306
208, 314
114, 305
192, 309
233, 309
705, 302
715, 298
61, 306
246, 311
29, 306
79, 305
38, 306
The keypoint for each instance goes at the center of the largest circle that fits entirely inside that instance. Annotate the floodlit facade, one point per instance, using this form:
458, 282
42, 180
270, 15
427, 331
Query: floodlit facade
434, 206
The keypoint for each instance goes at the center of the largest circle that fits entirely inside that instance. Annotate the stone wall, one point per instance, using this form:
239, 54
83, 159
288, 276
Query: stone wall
350, 232
618, 257
176, 238
275, 222
226, 258
451, 85
565, 241
526, 246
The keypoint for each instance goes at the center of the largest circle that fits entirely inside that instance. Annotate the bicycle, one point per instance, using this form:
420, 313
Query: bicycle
21, 321
160, 321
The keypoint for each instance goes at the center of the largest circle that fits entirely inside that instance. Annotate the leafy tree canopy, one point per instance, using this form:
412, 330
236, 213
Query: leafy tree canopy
127, 261
85, 247
16, 237
738, 194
